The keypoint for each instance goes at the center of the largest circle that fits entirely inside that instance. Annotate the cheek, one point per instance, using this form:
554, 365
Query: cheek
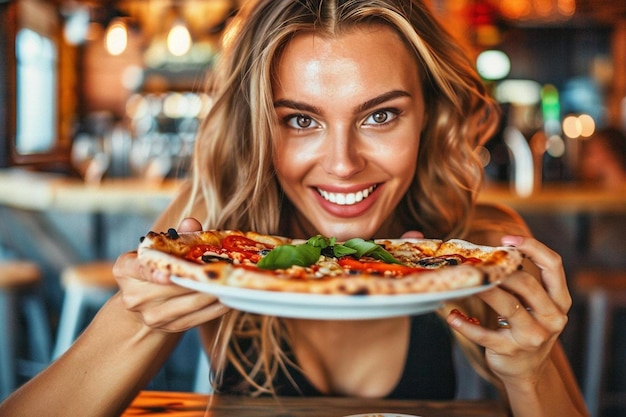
400, 163
293, 157
289, 163
404, 167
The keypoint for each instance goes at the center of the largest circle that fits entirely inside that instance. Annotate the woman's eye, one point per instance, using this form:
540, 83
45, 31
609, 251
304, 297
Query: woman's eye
301, 121
380, 117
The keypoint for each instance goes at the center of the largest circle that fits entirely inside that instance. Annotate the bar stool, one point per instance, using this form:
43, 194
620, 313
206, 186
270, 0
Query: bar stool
202, 384
20, 297
604, 291
87, 287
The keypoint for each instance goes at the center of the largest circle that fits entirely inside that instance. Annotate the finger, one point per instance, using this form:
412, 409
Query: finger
413, 234
138, 295
190, 224
530, 291
512, 309
551, 266
506, 305
473, 330
527, 289
524, 333
533, 295
525, 327
181, 309
127, 265
197, 318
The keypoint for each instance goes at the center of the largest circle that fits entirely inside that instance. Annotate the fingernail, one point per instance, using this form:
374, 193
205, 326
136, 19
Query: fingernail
455, 321
160, 277
461, 317
456, 318
512, 240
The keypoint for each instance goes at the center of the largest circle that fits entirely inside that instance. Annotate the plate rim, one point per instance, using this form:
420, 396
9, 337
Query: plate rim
333, 306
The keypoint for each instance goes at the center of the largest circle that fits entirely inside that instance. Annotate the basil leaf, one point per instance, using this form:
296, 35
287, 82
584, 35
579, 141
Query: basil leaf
340, 250
306, 254
285, 256
320, 241
383, 255
362, 247
369, 248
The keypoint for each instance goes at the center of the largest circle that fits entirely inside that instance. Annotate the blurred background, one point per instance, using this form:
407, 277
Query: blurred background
100, 102
88, 69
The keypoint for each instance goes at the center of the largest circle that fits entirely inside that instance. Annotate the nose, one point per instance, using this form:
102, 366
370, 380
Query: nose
343, 153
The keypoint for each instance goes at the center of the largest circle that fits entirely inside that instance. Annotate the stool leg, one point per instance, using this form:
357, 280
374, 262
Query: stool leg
470, 386
77, 300
202, 384
39, 329
71, 312
7, 344
594, 358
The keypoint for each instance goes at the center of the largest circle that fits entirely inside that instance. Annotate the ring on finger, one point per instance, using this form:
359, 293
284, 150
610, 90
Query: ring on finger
503, 323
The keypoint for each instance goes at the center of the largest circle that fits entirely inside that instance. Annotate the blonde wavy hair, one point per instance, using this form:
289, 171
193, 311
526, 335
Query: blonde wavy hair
234, 184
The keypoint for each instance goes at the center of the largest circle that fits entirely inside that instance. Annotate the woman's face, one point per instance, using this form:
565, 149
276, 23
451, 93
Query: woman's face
350, 111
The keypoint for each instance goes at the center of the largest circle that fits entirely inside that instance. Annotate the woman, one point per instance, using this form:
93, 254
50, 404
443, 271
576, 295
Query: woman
355, 118
603, 159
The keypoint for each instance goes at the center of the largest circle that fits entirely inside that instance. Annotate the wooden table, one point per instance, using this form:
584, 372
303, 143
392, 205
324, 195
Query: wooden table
43, 191
558, 199
581, 203
30, 196
156, 403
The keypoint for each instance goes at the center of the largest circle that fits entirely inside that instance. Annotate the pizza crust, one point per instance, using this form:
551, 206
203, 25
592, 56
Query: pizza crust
362, 284
156, 260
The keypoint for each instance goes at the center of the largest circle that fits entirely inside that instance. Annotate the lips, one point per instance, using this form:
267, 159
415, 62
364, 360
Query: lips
346, 199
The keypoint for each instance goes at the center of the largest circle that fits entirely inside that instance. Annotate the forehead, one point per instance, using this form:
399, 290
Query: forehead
372, 54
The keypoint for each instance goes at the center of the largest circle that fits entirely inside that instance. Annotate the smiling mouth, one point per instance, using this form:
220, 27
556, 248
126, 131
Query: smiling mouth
346, 199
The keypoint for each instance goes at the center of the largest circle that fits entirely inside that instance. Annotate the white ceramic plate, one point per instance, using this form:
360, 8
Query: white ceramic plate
329, 307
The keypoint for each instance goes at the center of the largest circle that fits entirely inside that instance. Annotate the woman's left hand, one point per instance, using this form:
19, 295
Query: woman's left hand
536, 311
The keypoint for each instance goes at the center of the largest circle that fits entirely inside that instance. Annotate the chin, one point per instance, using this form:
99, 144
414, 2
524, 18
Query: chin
347, 231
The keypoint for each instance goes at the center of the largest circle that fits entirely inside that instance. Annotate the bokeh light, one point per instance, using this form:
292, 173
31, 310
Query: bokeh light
578, 126
493, 65
116, 39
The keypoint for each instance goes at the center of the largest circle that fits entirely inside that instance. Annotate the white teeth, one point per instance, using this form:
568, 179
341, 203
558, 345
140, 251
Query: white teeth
346, 199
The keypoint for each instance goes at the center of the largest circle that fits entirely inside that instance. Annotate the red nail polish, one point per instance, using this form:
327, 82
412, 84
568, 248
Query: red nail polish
472, 320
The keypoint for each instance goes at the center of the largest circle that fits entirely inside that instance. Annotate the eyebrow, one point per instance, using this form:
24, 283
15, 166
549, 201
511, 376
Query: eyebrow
296, 105
390, 95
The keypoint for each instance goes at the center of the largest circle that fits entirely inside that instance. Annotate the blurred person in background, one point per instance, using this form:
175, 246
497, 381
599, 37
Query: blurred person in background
603, 165
603, 159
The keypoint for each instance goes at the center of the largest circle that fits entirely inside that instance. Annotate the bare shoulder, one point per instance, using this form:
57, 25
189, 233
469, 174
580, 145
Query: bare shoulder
492, 221
178, 209
496, 213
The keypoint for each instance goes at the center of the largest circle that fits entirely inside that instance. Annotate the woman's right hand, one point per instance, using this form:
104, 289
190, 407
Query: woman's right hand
160, 304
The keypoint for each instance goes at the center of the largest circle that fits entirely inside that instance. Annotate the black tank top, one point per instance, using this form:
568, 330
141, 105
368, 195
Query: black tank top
428, 372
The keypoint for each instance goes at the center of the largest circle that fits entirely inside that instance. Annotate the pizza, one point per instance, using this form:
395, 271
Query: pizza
321, 265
